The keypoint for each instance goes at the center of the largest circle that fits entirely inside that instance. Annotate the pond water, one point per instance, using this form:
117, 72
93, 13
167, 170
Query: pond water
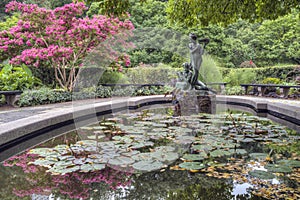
153, 155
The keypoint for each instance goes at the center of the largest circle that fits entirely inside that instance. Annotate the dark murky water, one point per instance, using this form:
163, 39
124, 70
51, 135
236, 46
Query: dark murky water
152, 155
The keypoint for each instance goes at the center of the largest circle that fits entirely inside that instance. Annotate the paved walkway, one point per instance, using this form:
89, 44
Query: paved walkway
9, 114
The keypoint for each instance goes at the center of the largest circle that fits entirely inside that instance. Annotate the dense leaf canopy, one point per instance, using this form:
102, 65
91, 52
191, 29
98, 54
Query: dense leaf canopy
204, 12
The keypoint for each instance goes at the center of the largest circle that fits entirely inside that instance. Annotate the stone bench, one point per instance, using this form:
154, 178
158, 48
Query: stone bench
11, 96
221, 85
284, 89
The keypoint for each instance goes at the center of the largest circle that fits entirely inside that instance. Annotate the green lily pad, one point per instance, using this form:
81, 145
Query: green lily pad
278, 168
192, 165
43, 162
91, 167
201, 147
121, 161
44, 152
142, 157
258, 156
247, 140
290, 163
139, 145
165, 148
238, 151
63, 169
194, 157
261, 174
148, 165
166, 157
219, 153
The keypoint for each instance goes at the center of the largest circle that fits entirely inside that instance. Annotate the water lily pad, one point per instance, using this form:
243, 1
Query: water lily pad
247, 140
194, 157
238, 151
261, 174
121, 161
258, 156
166, 157
278, 168
192, 165
201, 147
44, 152
219, 153
142, 157
185, 139
91, 167
130, 153
138, 145
148, 166
290, 163
99, 127
63, 169
165, 148
43, 162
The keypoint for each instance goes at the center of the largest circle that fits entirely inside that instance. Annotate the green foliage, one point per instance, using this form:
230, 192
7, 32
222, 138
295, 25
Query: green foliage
239, 76
148, 14
112, 7
47, 95
17, 78
278, 40
271, 81
209, 71
194, 12
9, 22
147, 74
279, 72
235, 90
113, 77
42, 96
159, 45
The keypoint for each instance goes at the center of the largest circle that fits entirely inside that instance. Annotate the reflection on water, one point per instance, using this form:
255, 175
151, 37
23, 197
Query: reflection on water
152, 155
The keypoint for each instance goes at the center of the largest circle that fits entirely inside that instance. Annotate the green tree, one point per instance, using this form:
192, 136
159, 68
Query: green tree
278, 40
148, 14
203, 12
111, 7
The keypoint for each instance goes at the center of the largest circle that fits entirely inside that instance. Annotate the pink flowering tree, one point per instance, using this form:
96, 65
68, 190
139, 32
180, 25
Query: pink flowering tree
59, 38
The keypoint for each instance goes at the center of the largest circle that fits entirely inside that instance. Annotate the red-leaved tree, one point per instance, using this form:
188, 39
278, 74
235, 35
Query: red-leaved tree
59, 38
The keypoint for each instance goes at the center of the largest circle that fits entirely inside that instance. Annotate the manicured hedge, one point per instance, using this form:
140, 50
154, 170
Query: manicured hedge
262, 73
47, 95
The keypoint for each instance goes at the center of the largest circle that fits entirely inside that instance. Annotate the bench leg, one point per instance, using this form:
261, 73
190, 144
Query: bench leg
222, 89
245, 89
284, 92
261, 90
11, 99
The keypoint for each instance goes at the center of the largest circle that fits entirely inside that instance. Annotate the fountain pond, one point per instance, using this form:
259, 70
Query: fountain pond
153, 155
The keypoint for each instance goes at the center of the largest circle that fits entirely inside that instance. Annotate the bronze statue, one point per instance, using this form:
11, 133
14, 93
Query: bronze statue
191, 70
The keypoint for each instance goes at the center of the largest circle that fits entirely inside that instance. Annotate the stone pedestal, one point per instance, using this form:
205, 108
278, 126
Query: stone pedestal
196, 101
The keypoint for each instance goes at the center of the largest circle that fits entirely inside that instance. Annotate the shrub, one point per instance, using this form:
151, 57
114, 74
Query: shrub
113, 77
235, 90
280, 72
163, 74
271, 81
46, 95
17, 78
209, 71
43, 96
236, 77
